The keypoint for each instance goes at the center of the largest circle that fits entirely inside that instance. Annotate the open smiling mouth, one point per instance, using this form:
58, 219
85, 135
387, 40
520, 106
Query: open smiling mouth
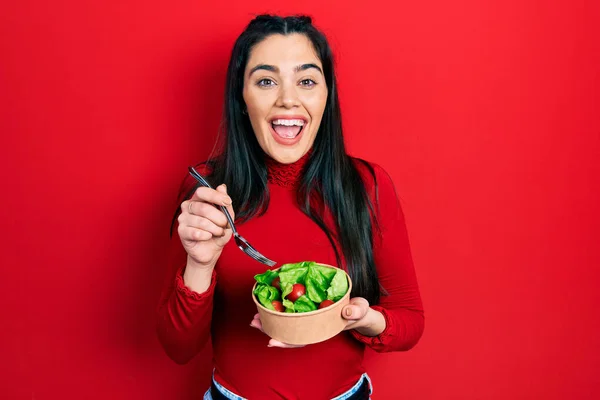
287, 128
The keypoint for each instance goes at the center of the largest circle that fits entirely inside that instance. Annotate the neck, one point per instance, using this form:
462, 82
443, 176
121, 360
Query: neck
286, 175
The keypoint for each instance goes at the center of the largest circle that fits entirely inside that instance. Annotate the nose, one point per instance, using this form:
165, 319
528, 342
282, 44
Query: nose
288, 96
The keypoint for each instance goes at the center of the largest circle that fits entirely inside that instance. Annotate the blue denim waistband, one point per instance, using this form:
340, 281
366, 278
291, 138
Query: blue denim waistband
232, 396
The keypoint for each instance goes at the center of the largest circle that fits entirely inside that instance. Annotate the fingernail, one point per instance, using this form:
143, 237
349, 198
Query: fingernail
348, 312
269, 345
227, 201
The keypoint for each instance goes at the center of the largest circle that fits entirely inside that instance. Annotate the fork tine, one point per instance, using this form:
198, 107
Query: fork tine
252, 252
266, 261
255, 253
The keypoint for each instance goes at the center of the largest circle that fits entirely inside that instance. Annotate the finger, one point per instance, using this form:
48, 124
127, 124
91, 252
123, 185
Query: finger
351, 325
355, 310
198, 222
206, 210
213, 196
277, 343
255, 323
223, 189
352, 312
359, 301
193, 234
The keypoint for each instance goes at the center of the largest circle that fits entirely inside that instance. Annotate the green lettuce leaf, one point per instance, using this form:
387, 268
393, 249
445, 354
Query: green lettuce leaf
316, 285
339, 286
304, 304
266, 294
266, 277
327, 272
296, 275
286, 288
288, 267
289, 306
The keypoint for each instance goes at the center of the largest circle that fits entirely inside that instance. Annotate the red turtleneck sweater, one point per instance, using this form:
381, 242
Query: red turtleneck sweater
243, 362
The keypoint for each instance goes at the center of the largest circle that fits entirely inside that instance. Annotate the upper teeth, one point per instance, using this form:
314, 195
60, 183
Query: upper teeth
288, 122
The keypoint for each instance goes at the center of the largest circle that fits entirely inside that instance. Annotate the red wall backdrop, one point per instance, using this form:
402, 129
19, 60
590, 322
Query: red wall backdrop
486, 114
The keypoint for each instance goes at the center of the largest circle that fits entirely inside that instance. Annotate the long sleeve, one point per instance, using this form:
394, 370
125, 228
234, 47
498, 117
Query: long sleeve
401, 303
183, 316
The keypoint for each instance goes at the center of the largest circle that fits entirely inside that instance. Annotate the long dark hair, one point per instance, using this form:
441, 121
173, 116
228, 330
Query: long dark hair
330, 174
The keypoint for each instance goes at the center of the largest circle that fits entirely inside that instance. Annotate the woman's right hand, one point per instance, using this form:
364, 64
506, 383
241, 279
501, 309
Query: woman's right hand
203, 228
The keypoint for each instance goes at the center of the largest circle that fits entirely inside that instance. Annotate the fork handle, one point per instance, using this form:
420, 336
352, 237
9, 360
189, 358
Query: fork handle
205, 183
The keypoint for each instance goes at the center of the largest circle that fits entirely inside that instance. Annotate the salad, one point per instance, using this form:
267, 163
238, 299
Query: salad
300, 287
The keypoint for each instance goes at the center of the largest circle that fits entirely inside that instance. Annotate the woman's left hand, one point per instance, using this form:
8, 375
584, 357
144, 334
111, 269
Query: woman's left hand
358, 314
363, 318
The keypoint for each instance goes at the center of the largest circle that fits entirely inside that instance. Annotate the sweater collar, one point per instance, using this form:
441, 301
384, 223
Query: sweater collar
286, 175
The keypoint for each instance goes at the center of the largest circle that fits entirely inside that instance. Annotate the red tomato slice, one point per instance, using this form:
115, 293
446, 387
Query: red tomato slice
276, 284
298, 290
278, 305
325, 303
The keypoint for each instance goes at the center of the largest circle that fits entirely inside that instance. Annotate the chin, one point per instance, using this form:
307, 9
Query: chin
285, 156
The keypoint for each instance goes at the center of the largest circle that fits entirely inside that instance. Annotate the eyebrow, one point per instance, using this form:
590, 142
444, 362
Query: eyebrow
272, 68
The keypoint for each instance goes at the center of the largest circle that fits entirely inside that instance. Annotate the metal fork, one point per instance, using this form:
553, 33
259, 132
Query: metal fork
239, 240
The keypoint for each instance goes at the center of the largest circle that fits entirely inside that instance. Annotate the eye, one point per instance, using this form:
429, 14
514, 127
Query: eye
266, 82
307, 82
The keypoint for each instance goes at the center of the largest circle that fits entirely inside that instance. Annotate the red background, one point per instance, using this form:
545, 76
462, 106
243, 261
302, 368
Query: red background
485, 113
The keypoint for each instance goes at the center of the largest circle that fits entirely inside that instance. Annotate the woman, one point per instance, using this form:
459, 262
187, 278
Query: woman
297, 196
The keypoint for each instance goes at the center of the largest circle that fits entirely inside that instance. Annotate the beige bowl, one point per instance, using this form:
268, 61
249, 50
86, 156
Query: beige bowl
304, 328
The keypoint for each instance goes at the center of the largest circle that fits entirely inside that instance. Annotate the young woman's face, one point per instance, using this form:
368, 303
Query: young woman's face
285, 95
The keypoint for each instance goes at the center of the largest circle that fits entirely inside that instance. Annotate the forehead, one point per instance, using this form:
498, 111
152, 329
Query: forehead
283, 52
